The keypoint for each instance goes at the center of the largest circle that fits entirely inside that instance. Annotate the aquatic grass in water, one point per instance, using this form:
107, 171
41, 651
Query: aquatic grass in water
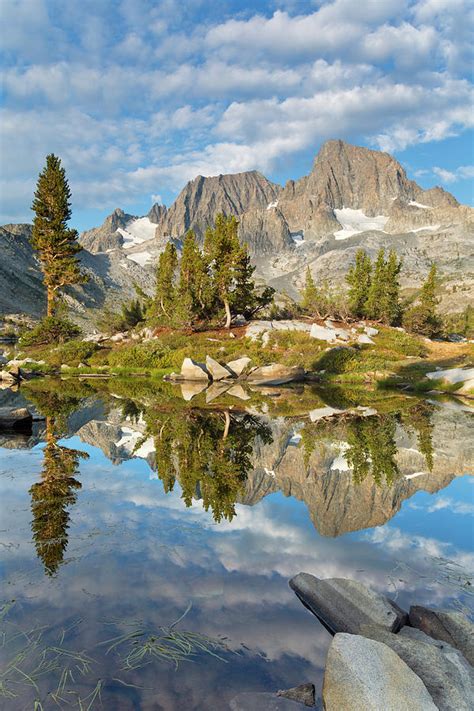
141, 648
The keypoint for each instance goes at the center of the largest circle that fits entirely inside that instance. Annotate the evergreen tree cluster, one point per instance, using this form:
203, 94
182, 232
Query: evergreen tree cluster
212, 284
374, 288
374, 293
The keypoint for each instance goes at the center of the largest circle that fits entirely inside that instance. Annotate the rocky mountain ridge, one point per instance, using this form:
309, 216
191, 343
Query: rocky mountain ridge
353, 197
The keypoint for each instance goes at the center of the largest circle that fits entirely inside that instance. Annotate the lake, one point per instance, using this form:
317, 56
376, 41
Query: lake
149, 531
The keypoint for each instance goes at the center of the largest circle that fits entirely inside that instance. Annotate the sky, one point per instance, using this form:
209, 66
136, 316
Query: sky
139, 96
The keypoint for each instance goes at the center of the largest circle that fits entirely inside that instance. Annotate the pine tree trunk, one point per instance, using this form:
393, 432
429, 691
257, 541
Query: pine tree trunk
50, 302
228, 316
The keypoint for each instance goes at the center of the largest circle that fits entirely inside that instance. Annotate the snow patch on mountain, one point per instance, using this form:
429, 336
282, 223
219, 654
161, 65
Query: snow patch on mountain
426, 227
356, 221
140, 258
137, 231
272, 204
419, 204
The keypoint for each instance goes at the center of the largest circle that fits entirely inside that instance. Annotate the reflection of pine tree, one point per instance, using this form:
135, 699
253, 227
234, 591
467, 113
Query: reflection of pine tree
50, 500
372, 449
209, 453
419, 418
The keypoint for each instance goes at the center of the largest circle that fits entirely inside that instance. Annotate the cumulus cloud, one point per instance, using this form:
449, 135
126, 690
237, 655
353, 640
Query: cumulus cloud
452, 176
147, 95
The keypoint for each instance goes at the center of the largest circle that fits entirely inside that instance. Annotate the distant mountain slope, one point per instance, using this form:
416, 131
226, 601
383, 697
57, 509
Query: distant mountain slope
353, 197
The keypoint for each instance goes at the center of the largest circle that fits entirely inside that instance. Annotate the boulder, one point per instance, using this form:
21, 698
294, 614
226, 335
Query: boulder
344, 605
218, 371
8, 377
321, 412
119, 337
190, 370
276, 374
15, 419
365, 675
447, 675
239, 366
370, 331
322, 333
363, 338
451, 627
304, 694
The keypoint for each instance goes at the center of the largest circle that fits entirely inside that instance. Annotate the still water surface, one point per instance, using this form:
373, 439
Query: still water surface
148, 535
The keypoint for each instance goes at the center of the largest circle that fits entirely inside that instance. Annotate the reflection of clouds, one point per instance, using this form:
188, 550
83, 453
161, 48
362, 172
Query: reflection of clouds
443, 502
137, 552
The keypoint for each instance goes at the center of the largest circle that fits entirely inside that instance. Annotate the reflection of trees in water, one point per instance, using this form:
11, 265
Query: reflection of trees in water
419, 419
209, 453
372, 449
371, 441
52, 497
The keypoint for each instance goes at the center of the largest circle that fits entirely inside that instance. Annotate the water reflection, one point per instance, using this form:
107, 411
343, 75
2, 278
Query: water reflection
52, 498
209, 453
351, 495
56, 493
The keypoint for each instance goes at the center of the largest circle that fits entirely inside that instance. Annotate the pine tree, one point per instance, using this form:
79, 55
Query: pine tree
422, 318
193, 288
221, 248
310, 294
390, 308
165, 288
375, 296
359, 280
55, 242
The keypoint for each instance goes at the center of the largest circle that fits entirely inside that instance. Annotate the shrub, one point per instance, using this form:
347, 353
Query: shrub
336, 360
50, 329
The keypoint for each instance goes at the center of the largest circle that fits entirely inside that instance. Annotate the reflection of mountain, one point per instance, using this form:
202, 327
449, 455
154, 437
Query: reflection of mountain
336, 502
352, 472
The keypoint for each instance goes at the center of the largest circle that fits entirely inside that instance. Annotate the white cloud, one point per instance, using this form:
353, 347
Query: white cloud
463, 172
146, 95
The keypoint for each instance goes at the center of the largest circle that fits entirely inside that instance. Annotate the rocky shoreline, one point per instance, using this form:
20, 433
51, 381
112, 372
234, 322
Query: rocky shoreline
382, 657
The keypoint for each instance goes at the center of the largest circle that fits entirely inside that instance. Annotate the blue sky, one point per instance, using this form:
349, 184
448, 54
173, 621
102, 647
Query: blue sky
139, 96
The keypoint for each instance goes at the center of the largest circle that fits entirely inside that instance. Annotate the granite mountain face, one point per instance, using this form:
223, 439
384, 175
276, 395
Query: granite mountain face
353, 197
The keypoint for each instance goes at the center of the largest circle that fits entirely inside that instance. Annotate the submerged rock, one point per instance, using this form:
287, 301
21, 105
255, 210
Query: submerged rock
446, 674
366, 675
344, 605
304, 694
262, 701
451, 627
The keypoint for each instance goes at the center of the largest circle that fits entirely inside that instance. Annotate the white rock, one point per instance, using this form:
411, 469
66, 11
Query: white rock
370, 331
322, 333
320, 412
190, 370
365, 675
240, 365
364, 338
218, 371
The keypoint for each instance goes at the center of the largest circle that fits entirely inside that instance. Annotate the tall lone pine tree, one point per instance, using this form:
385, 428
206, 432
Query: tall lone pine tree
55, 242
